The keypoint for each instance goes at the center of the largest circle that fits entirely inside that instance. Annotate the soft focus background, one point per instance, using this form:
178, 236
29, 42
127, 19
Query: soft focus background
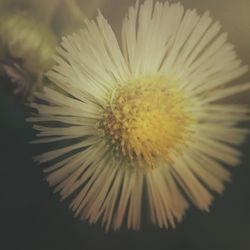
33, 218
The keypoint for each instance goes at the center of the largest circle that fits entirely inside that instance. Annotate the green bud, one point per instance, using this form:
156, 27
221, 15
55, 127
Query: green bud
26, 39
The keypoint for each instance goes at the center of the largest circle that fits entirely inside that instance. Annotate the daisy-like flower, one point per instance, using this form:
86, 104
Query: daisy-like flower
144, 118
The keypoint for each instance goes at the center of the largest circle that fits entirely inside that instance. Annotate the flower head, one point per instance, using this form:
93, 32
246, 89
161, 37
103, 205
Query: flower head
144, 118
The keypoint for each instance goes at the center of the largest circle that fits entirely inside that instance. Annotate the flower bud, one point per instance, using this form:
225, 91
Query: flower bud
26, 39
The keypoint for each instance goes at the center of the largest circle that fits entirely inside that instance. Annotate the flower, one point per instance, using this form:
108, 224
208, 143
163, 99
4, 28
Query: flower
147, 123
27, 48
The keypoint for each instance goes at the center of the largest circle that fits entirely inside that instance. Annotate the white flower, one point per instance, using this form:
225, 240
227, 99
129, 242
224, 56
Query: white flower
143, 119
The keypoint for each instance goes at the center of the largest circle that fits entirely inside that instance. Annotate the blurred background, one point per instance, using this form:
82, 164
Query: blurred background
31, 216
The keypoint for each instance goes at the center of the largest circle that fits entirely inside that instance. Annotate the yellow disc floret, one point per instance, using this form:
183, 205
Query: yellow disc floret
147, 120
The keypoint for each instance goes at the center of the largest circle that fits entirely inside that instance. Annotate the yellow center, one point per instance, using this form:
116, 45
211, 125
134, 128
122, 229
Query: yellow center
147, 120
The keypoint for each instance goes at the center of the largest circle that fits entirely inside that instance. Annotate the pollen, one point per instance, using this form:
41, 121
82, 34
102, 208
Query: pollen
147, 121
